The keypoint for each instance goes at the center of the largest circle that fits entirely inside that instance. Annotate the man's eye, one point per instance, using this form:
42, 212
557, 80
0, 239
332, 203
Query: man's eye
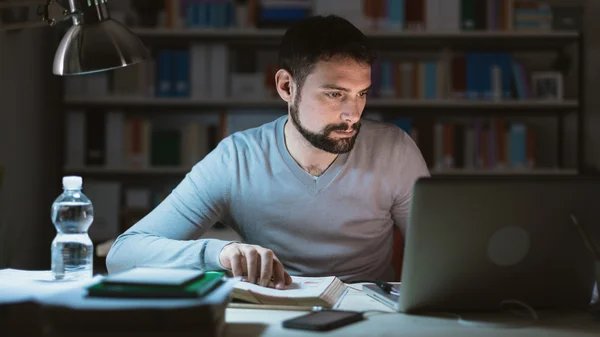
334, 94
364, 94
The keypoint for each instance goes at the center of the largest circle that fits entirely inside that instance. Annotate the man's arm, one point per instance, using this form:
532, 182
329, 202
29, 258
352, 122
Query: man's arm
413, 167
168, 235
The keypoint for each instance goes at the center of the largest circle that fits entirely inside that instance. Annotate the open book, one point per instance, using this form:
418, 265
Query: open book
303, 292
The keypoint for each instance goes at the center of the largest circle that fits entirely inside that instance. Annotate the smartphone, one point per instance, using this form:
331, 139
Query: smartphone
323, 320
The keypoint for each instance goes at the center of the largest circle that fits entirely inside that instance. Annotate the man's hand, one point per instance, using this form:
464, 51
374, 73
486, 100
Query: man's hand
259, 264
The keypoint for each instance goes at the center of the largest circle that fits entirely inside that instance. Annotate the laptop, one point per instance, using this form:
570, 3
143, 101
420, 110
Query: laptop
477, 243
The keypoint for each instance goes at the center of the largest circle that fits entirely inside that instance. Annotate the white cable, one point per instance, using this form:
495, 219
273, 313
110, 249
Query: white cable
532, 311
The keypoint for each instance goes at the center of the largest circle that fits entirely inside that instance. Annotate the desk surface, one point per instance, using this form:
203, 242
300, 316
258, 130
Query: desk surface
382, 321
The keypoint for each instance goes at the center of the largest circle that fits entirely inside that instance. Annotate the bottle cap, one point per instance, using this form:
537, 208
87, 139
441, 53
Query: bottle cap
72, 182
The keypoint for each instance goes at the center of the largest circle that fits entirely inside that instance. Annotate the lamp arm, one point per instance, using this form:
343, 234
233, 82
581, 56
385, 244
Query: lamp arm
50, 11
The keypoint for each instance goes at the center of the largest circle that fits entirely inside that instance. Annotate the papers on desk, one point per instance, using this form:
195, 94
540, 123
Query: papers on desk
21, 285
25, 275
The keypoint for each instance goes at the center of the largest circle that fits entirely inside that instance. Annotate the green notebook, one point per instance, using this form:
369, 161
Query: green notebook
198, 288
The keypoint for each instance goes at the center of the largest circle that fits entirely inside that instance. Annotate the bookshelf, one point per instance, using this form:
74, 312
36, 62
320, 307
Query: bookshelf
443, 44
537, 107
536, 40
180, 172
104, 171
559, 42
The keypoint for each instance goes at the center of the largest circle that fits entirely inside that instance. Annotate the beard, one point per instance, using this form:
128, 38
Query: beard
322, 140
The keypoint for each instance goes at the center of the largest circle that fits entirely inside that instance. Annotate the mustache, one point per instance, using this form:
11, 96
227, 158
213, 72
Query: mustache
342, 127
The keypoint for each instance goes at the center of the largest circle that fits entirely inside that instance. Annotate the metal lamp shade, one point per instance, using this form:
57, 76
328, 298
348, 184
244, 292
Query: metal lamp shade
99, 46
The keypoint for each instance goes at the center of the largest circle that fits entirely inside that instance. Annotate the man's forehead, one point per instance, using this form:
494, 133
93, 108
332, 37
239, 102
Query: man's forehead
341, 63
341, 71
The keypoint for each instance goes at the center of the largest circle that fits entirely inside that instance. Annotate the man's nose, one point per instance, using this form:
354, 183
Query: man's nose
352, 111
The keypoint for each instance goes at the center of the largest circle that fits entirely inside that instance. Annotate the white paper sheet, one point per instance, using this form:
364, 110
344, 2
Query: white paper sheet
26, 285
300, 287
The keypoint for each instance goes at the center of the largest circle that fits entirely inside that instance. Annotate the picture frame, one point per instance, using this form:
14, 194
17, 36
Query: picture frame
547, 85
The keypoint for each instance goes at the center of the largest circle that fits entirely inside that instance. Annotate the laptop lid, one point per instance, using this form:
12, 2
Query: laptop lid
475, 242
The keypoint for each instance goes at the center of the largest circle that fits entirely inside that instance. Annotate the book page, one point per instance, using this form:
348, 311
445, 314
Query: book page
300, 287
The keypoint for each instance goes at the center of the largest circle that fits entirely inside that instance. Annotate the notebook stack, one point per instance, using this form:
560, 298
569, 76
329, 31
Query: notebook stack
139, 302
157, 283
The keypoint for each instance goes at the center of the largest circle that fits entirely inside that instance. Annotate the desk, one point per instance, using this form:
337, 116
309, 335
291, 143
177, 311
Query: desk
267, 323
381, 321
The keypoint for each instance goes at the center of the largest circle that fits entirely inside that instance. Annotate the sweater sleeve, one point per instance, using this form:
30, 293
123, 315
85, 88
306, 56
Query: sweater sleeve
413, 167
169, 236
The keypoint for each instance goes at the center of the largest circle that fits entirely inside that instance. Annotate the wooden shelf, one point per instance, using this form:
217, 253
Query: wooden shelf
541, 171
172, 171
149, 103
155, 171
175, 102
434, 39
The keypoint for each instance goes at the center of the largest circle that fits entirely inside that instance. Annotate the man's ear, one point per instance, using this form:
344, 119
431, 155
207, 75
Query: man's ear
284, 85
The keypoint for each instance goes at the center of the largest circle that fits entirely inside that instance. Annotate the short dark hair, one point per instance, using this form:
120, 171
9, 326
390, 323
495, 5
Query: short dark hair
319, 38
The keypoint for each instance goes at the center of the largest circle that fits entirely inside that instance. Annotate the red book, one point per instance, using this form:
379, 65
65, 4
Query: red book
459, 77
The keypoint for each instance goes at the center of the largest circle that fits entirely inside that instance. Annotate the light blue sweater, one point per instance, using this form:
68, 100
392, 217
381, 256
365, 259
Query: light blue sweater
338, 224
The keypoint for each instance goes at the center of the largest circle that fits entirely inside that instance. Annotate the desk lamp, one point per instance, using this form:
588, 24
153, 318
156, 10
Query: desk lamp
94, 42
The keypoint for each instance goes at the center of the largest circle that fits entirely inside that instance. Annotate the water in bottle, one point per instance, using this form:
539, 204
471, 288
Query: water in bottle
72, 249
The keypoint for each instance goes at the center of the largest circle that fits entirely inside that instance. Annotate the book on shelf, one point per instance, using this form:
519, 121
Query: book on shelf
135, 146
430, 15
200, 70
116, 141
482, 144
106, 196
303, 292
212, 73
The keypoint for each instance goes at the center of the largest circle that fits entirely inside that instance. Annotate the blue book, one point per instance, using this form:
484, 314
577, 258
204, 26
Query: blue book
213, 14
430, 80
221, 14
504, 61
396, 13
386, 77
191, 14
404, 124
230, 14
517, 143
484, 80
282, 14
519, 83
376, 78
473, 69
165, 63
182, 73
203, 14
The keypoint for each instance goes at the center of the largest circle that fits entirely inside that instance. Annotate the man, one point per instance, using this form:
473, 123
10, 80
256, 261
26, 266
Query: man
314, 193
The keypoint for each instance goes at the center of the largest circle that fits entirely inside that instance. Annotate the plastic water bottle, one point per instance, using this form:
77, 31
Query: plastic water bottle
72, 249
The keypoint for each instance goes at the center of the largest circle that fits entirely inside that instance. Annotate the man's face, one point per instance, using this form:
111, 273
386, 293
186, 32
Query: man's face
328, 107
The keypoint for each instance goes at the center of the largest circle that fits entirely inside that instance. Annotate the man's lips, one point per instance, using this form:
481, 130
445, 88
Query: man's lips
345, 133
